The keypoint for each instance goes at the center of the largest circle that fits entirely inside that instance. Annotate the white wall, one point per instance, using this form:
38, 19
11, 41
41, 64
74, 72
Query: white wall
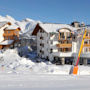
47, 45
2, 32
47, 39
74, 47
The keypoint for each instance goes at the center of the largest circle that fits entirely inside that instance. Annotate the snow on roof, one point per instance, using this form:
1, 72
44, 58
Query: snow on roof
12, 27
3, 23
7, 42
55, 27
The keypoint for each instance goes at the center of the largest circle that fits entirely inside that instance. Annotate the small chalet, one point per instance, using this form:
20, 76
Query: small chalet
10, 35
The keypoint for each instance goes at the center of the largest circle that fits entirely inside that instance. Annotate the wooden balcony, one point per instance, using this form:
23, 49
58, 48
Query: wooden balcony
87, 37
7, 34
64, 45
86, 45
61, 39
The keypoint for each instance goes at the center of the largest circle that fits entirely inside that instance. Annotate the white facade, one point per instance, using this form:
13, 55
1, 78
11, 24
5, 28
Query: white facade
48, 41
49, 49
2, 32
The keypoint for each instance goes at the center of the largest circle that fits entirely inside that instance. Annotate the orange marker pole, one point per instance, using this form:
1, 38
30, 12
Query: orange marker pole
74, 70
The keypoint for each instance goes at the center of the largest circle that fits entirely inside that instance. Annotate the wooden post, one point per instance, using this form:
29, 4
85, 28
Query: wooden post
85, 61
59, 36
62, 61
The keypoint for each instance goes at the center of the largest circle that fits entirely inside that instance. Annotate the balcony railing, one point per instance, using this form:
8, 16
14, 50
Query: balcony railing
7, 34
65, 39
87, 37
86, 45
64, 45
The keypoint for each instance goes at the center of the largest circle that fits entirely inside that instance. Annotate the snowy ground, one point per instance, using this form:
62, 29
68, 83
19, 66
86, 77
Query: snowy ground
20, 73
43, 82
11, 62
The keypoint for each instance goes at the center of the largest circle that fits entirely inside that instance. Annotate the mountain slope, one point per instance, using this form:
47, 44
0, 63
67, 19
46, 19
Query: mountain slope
26, 25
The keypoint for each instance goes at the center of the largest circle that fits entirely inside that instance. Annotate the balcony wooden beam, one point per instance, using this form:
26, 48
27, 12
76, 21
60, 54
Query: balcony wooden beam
86, 45
64, 45
87, 37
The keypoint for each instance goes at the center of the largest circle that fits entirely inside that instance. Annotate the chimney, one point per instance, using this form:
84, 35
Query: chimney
75, 24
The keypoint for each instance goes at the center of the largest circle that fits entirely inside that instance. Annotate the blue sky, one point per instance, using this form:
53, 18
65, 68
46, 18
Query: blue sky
53, 11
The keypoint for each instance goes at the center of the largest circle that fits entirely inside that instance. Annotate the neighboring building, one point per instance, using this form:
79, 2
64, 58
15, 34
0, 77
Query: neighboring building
3, 25
59, 43
85, 56
75, 24
9, 35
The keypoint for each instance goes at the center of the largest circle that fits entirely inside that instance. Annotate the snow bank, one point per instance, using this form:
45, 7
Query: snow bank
13, 63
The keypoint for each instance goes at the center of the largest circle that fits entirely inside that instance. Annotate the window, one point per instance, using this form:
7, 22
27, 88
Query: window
51, 50
15, 37
38, 55
89, 33
67, 49
86, 49
42, 52
42, 31
47, 41
8, 31
41, 44
59, 49
41, 38
68, 34
89, 49
51, 42
5, 32
9, 38
5, 38
47, 58
56, 58
85, 42
16, 32
62, 35
47, 34
86, 34
64, 49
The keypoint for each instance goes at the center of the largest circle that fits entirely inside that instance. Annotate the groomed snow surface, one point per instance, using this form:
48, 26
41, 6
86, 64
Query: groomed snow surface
19, 73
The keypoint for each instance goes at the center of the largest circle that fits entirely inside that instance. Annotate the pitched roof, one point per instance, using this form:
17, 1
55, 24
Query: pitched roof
3, 23
55, 27
49, 27
12, 27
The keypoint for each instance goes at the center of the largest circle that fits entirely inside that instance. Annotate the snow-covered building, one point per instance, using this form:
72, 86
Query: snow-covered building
60, 42
9, 34
55, 42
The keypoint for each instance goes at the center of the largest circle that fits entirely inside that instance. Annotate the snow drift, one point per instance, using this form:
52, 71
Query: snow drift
13, 63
